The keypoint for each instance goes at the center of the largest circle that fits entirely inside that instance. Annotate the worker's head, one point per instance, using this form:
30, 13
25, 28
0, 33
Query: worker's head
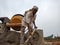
35, 9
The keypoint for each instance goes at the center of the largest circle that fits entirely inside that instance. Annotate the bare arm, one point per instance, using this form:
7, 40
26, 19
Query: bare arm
34, 22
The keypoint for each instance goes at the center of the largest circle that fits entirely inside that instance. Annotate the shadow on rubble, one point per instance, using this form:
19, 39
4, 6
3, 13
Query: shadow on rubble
10, 38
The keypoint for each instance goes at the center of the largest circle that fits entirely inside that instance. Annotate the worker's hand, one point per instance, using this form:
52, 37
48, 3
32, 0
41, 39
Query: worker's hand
35, 26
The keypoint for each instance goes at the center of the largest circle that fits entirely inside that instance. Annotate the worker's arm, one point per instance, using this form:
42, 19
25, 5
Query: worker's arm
34, 22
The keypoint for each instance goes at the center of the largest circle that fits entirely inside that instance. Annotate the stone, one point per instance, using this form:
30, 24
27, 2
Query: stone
37, 37
13, 38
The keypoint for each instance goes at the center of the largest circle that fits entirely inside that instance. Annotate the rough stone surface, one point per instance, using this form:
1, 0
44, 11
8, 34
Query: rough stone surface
13, 38
10, 38
37, 37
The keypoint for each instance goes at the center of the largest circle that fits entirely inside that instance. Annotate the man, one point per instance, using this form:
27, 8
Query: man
29, 20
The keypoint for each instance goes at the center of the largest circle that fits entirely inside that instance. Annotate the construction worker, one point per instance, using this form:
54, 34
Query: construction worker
29, 20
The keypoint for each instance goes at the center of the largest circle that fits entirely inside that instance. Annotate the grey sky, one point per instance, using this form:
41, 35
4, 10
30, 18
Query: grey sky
48, 14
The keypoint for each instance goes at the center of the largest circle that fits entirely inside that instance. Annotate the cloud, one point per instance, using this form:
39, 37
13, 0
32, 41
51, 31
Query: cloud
48, 14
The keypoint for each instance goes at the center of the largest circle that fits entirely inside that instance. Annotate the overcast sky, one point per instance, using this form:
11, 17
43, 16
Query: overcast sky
48, 15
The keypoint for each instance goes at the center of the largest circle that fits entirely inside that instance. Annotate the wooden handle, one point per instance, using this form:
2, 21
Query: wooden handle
30, 36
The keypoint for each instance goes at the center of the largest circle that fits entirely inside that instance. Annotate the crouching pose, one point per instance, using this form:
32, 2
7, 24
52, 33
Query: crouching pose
29, 20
